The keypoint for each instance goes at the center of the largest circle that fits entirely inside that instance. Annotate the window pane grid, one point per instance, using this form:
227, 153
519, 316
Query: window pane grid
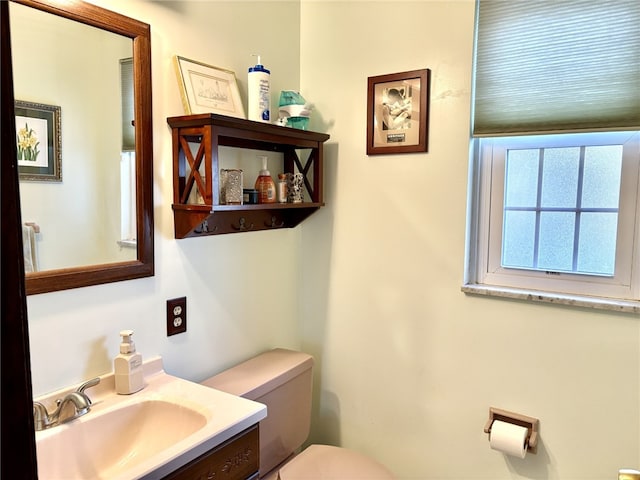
552, 240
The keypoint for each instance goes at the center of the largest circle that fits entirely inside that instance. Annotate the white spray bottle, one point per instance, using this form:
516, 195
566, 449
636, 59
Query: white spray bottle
259, 92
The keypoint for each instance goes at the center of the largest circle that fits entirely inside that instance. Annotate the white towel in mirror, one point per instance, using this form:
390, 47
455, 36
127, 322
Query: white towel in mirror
29, 246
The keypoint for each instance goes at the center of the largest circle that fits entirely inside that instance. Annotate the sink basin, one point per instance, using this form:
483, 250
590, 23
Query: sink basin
107, 445
146, 435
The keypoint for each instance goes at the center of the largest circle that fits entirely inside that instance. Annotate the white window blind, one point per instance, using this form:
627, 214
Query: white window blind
548, 66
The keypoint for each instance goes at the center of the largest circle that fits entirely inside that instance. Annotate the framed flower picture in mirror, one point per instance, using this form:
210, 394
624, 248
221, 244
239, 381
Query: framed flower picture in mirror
38, 141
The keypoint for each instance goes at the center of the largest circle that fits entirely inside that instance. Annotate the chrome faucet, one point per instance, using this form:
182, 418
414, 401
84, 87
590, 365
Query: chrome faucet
73, 405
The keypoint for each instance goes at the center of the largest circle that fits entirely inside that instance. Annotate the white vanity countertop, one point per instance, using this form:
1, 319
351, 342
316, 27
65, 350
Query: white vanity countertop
226, 415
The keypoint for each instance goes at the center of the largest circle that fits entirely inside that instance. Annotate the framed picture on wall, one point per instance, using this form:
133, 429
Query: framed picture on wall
38, 142
398, 112
208, 89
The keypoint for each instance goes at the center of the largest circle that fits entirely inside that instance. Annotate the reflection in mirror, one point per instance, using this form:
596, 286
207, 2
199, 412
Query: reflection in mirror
82, 217
82, 80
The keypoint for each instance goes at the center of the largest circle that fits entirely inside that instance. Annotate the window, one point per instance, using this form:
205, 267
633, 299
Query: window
128, 228
559, 214
555, 170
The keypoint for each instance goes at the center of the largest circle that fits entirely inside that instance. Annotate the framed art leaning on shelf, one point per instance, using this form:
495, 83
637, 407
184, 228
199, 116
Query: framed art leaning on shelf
208, 89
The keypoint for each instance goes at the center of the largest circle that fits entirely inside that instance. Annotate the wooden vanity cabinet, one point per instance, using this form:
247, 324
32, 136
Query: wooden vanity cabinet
236, 459
196, 174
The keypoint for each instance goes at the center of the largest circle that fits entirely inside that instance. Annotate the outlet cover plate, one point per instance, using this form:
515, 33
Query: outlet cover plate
176, 316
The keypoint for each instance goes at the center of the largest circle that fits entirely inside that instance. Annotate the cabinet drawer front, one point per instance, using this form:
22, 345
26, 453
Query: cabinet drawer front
233, 460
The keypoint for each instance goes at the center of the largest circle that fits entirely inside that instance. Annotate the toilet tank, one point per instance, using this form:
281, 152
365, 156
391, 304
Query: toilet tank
282, 380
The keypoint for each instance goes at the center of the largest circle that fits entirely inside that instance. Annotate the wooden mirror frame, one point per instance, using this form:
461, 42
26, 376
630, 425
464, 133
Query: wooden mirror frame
18, 433
143, 266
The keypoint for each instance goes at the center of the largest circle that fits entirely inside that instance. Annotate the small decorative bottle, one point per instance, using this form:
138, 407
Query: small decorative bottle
282, 188
265, 185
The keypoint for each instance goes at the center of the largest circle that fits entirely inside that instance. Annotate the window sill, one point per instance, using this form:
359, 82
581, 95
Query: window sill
128, 244
612, 305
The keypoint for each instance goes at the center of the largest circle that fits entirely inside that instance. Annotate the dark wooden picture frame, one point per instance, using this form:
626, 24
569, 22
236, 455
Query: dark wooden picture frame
38, 127
398, 112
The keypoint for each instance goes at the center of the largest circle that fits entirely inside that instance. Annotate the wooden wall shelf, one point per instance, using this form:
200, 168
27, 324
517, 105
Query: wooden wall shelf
203, 134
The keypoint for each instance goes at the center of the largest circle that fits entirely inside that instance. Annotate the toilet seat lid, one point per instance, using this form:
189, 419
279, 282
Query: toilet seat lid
324, 462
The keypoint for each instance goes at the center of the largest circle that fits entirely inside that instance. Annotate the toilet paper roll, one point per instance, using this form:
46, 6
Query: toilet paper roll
508, 438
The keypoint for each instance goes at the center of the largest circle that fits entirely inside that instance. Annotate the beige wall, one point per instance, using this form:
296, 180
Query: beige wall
407, 365
240, 288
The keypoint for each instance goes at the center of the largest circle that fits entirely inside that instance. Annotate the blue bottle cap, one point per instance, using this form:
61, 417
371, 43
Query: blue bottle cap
259, 67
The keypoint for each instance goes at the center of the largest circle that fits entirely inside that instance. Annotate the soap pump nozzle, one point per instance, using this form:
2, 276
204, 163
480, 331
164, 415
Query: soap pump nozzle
127, 345
265, 169
259, 64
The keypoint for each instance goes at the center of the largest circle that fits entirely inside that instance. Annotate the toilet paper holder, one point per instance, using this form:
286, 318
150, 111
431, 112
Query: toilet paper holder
530, 423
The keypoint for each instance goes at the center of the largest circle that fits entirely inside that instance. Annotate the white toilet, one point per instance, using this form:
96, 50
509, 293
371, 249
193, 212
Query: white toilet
282, 380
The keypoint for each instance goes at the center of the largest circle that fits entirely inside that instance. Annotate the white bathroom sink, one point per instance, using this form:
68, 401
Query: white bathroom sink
145, 435
108, 445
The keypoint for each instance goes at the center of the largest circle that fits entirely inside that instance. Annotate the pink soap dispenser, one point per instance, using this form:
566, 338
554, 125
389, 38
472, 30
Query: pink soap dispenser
265, 185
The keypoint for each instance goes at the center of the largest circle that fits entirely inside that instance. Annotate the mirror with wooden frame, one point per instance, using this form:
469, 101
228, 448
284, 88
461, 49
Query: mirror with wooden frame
81, 200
